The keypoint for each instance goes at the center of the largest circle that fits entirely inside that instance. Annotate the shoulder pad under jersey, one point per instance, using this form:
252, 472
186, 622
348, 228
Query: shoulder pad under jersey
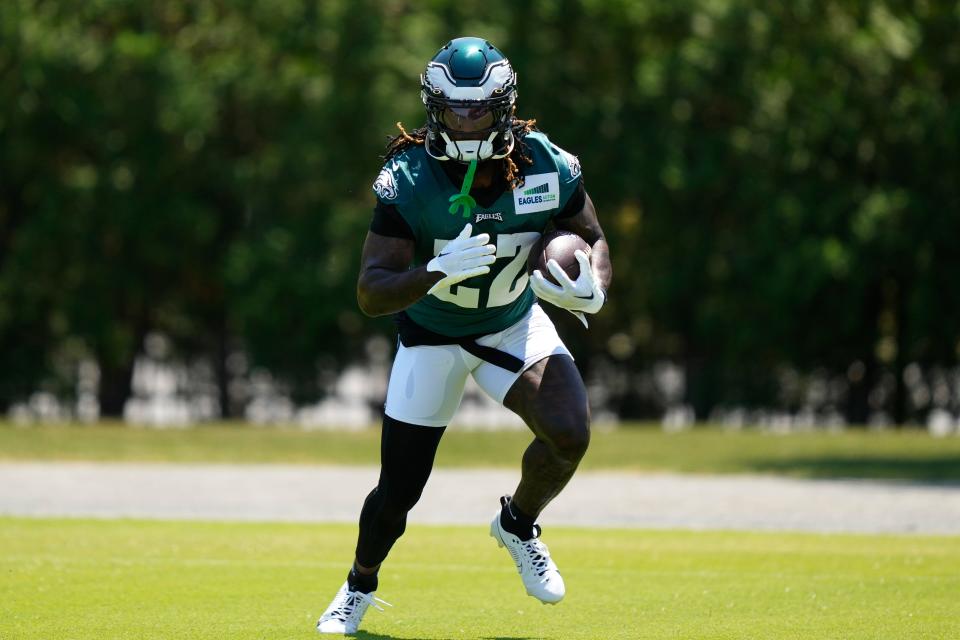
568, 165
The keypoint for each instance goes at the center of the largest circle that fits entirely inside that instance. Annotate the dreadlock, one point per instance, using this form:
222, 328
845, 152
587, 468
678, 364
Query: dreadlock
511, 173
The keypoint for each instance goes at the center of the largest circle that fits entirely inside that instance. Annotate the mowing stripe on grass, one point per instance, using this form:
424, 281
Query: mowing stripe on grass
855, 453
125, 579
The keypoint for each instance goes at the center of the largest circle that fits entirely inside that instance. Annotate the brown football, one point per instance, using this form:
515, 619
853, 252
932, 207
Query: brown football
559, 246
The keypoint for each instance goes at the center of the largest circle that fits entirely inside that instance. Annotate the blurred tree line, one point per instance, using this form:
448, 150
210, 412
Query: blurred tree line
779, 182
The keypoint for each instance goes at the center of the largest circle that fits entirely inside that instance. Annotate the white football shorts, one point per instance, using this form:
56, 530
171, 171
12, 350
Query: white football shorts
426, 382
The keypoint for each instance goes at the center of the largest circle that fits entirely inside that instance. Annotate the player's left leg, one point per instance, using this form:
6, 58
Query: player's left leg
552, 400
550, 396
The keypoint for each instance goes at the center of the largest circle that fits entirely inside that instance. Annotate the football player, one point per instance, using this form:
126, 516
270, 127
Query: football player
459, 203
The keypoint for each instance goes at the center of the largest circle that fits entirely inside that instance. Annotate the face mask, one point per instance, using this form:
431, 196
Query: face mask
467, 150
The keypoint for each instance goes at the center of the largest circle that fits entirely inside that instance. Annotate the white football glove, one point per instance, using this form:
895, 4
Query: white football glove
463, 257
580, 297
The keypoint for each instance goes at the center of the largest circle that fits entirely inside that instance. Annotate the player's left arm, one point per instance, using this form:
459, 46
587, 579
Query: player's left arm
585, 224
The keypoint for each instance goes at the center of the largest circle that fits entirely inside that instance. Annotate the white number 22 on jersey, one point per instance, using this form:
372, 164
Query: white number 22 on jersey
506, 286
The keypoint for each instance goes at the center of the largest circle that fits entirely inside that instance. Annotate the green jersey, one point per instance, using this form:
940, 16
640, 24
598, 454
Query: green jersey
420, 190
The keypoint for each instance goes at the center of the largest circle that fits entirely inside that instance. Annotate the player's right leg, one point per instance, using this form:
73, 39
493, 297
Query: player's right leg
407, 453
426, 385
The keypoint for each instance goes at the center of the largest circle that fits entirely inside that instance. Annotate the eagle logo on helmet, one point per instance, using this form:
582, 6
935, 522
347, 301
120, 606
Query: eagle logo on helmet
468, 89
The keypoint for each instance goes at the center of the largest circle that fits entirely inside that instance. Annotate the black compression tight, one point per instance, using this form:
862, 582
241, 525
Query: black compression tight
406, 458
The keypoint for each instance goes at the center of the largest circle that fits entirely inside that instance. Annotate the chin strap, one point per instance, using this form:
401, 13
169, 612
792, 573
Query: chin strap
463, 199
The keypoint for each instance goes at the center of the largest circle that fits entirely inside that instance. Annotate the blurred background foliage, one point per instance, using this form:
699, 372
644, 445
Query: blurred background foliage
779, 183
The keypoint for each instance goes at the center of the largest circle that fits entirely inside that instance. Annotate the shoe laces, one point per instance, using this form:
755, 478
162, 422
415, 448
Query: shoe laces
537, 552
354, 603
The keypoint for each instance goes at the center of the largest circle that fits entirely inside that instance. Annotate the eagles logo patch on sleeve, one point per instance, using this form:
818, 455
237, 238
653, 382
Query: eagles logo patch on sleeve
573, 162
385, 186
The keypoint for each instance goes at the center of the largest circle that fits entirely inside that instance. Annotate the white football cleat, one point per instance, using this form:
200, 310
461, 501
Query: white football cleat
347, 609
539, 572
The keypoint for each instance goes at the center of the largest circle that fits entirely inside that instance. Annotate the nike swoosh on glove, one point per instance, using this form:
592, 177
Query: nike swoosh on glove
578, 297
463, 257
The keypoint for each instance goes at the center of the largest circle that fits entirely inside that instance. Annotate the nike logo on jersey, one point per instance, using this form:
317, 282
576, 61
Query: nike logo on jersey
589, 297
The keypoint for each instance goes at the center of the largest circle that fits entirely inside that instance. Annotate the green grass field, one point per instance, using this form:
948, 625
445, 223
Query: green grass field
854, 453
90, 579
134, 579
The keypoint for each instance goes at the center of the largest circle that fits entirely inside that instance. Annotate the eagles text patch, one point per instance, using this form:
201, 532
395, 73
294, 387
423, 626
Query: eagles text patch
540, 192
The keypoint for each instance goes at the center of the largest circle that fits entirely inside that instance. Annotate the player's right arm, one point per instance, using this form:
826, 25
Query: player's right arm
387, 284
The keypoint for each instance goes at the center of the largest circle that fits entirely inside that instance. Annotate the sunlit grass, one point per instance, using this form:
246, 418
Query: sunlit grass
907, 454
64, 579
